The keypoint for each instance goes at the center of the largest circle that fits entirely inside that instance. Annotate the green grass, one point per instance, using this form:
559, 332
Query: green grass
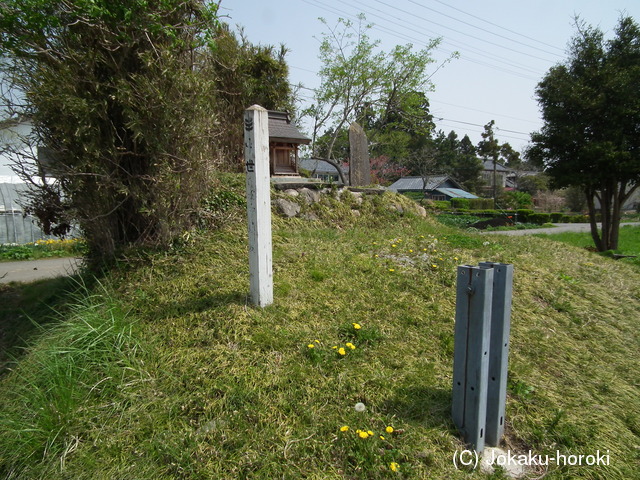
629, 242
165, 371
42, 249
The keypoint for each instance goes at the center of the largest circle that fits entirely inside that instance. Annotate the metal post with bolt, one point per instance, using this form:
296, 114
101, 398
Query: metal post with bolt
483, 312
256, 154
498, 350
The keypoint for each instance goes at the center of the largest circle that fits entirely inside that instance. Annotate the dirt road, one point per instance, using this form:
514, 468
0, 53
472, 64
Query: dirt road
558, 228
30, 270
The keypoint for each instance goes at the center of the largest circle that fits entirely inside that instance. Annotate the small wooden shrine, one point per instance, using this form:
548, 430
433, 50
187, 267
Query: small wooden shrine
284, 139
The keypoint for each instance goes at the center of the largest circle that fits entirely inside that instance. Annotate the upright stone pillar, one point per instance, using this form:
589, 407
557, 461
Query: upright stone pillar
359, 166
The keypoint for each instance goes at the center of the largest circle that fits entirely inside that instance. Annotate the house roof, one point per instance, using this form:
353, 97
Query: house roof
488, 166
282, 130
320, 167
455, 193
417, 183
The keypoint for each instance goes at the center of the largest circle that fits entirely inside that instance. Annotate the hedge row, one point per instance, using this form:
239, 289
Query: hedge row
472, 203
527, 216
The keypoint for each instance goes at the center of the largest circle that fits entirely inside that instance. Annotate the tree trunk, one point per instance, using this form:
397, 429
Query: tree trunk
612, 198
335, 165
591, 203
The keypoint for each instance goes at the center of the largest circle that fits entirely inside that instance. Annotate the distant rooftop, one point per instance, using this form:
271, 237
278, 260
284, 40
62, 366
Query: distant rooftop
417, 183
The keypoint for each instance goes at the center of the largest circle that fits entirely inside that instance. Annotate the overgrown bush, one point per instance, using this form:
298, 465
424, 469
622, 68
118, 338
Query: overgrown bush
136, 103
539, 218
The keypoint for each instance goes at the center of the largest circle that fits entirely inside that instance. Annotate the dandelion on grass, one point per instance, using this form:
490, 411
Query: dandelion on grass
389, 429
342, 351
344, 428
356, 326
394, 466
350, 345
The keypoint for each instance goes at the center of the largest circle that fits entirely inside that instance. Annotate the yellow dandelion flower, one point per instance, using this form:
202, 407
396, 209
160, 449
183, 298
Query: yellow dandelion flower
389, 429
311, 345
394, 466
356, 326
410, 251
350, 345
363, 435
317, 341
434, 266
424, 249
455, 258
370, 433
391, 270
342, 351
344, 428
376, 255
394, 245
381, 437
358, 431
335, 347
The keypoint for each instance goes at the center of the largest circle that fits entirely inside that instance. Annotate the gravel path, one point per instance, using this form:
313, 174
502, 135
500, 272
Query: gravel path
558, 228
30, 270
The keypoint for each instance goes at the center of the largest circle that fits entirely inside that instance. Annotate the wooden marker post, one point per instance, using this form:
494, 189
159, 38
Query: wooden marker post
256, 156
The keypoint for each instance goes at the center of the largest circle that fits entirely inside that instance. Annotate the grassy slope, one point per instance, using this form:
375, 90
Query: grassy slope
214, 388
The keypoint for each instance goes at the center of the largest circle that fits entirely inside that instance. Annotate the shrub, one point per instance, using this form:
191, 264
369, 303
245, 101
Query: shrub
461, 203
481, 203
136, 103
539, 218
523, 214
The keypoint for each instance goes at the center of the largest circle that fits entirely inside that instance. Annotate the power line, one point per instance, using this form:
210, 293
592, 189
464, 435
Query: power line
480, 28
499, 26
405, 23
463, 33
484, 111
482, 126
329, 8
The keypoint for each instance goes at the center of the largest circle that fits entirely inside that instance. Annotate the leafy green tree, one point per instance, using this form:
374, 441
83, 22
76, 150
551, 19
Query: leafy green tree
489, 150
591, 112
243, 74
132, 100
509, 156
362, 84
468, 167
458, 159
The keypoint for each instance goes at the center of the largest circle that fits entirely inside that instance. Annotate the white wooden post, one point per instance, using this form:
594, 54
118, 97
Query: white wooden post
256, 155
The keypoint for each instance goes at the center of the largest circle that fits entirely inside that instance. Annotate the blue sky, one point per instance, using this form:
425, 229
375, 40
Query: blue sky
505, 48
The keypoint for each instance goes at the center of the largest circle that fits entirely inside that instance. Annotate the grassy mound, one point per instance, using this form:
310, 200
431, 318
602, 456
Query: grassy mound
174, 375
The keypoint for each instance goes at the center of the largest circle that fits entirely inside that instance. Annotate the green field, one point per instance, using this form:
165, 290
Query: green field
162, 369
629, 243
